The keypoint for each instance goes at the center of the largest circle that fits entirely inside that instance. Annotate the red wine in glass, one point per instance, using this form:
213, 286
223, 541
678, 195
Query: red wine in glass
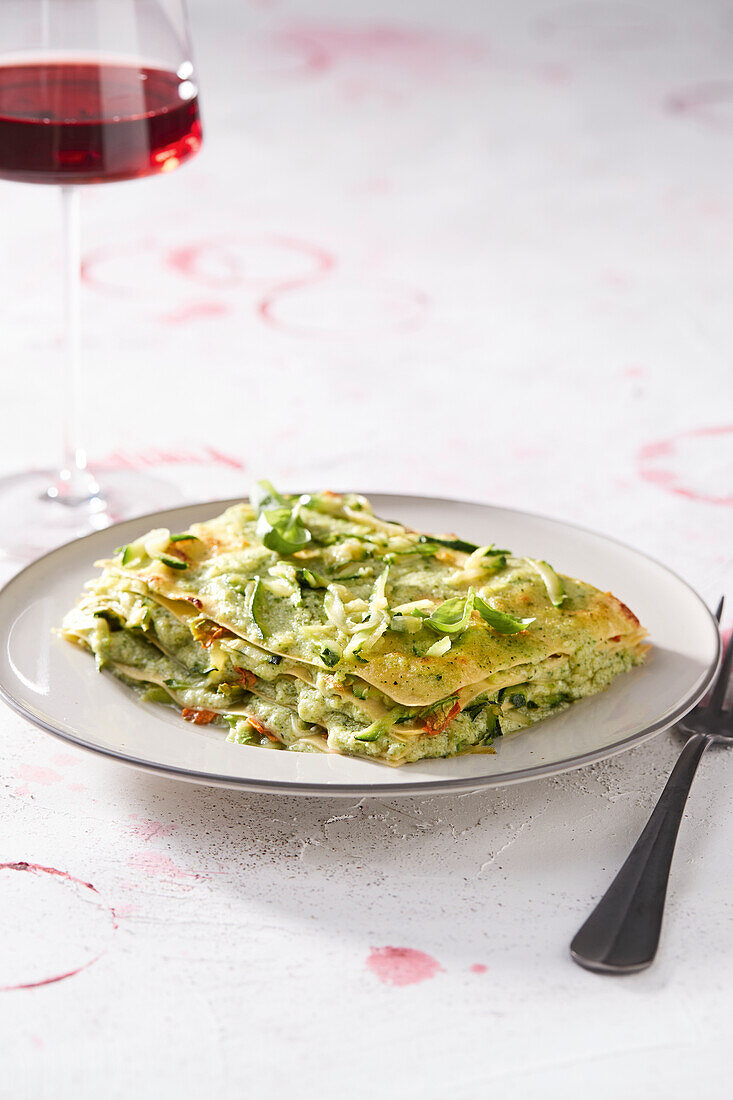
84, 122
91, 91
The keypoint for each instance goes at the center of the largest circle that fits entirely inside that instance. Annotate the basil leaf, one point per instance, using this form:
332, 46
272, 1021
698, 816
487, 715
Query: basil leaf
264, 495
501, 623
282, 531
453, 616
451, 544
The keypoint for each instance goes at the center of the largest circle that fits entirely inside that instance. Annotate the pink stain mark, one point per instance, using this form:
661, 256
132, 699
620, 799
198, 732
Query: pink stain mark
93, 261
75, 787
39, 869
713, 208
416, 49
114, 269
162, 866
364, 312
710, 102
127, 910
42, 777
375, 185
257, 262
306, 56
478, 968
554, 74
267, 261
659, 462
615, 280
224, 460
633, 372
33, 774
128, 460
145, 828
402, 965
196, 311
65, 760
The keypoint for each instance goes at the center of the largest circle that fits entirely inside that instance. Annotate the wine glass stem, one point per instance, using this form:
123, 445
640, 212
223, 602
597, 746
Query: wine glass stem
74, 485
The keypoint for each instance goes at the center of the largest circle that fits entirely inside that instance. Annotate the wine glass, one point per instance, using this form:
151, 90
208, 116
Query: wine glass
91, 91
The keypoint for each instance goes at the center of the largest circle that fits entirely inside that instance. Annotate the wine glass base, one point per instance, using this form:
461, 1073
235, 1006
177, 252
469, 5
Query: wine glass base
32, 523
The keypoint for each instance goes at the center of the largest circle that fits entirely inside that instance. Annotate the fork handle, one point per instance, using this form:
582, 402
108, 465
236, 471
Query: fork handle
622, 933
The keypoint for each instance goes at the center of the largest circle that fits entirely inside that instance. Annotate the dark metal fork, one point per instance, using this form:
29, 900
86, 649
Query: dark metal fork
622, 933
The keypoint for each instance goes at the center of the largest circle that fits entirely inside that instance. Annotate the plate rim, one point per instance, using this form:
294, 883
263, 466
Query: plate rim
425, 787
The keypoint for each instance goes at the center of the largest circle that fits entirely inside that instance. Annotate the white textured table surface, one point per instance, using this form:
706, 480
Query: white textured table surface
475, 250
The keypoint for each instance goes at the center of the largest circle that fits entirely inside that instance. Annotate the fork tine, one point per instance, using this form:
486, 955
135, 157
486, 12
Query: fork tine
717, 697
719, 610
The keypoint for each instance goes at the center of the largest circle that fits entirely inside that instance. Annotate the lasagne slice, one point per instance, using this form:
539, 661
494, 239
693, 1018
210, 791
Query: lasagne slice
310, 624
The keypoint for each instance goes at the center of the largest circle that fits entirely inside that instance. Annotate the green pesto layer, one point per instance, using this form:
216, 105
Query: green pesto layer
161, 661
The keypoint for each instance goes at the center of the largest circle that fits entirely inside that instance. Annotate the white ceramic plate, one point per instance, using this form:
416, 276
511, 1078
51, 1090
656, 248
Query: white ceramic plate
55, 684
